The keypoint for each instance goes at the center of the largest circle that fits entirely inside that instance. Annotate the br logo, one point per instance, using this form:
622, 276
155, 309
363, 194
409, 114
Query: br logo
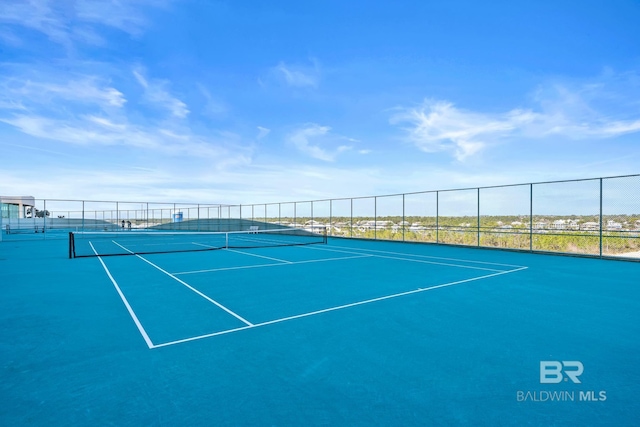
551, 371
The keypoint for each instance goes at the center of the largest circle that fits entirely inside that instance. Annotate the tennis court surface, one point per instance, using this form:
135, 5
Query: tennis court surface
343, 332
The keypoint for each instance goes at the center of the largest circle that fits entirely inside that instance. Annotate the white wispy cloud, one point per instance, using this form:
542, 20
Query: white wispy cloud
262, 132
89, 35
213, 108
79, 21
298, 75
86, 130
440, 126
560, 110
603, 107
125, 16
89, 130
89, 111
83, 90
37, 15
157, 95
308, 139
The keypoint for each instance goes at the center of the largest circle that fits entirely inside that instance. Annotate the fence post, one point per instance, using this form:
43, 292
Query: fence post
403, 217
478, 228
375, 218
600, 217
531, 217
331, 217
351, 222
437, 217
44, 220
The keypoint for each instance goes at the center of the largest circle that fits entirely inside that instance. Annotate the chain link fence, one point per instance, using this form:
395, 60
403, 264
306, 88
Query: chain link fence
596, 216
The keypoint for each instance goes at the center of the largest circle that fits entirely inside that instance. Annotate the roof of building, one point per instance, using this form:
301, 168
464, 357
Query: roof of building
18, 200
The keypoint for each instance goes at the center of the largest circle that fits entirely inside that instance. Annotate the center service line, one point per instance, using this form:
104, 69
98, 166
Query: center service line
237, 316
261, 256
280, 264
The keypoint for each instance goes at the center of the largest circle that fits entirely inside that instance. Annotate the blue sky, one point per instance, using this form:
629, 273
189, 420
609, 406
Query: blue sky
268, 101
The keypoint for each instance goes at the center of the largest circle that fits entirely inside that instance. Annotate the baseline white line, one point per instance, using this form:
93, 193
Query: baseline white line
272, 265
214, 334
237, 316
124, 300
340, 307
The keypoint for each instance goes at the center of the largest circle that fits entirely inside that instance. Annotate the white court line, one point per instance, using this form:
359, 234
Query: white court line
340, 307
237, 316
411, 259
207, 246
243, 253
358, 255
272, 265
422, 256
124, 300
324, 248
260, 256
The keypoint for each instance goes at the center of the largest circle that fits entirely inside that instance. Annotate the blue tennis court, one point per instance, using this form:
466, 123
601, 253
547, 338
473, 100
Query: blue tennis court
351, 332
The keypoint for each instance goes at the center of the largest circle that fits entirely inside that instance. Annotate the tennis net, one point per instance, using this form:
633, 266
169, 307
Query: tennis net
92, 244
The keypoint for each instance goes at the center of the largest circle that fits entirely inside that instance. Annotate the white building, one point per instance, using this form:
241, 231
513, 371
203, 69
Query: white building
15, 207
613, 225
590, 226
373, 225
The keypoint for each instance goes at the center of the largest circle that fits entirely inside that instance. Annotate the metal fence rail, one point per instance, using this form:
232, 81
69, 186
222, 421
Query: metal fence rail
594, 216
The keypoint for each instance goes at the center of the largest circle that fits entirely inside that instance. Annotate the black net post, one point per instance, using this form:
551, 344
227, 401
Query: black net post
71, 245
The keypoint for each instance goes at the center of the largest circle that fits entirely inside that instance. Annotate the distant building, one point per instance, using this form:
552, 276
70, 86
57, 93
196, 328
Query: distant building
540, 225
314, 226
373, 225
613, 225
15, 207
416, 226
590, 226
